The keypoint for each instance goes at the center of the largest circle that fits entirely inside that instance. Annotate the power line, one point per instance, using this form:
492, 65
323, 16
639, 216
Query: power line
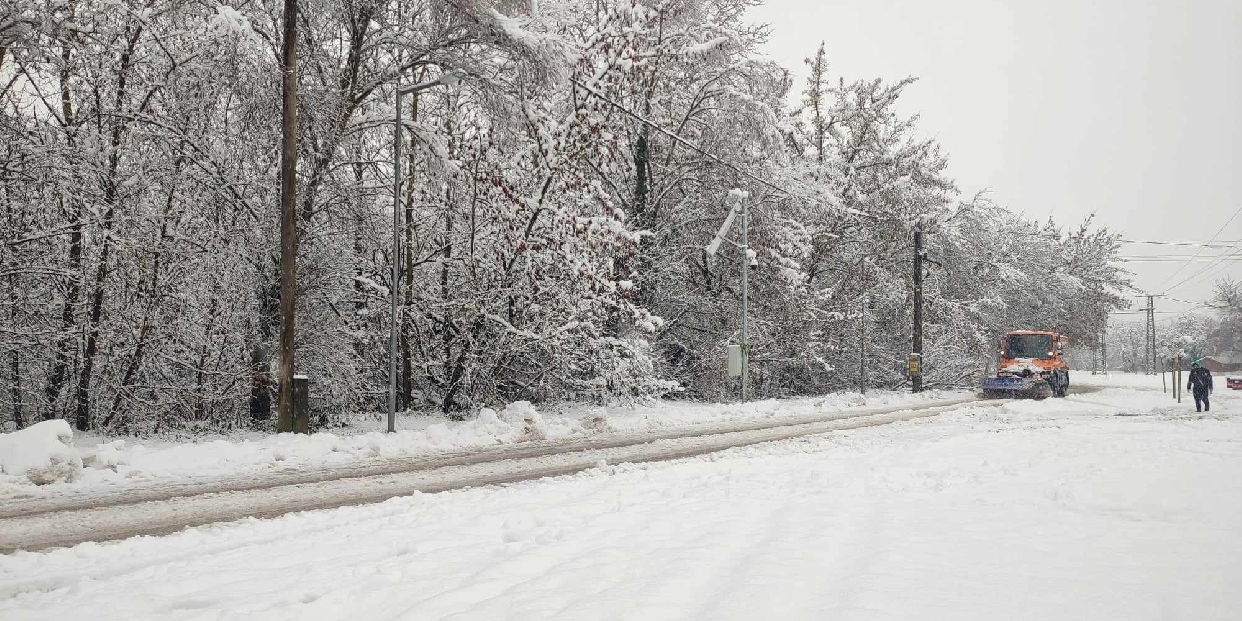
1183, 266
1219, 244
1148, 242
1229, 257
1186, 301
1226, 263
1175, 259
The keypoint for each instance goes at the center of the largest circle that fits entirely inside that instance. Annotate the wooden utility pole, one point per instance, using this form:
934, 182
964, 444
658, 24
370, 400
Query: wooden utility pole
916, 359
288, 215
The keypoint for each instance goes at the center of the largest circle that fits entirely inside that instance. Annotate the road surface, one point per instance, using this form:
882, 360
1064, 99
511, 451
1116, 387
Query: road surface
61, 522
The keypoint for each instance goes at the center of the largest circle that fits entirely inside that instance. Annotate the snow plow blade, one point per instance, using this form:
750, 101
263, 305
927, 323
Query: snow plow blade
1015, 388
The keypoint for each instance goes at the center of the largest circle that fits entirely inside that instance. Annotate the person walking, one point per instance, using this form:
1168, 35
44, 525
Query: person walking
1201, 385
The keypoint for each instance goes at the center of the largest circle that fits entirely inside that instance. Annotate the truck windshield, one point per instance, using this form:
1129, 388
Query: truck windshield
1029, 346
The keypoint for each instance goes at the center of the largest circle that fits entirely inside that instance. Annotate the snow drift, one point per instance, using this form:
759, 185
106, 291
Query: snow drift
42, 453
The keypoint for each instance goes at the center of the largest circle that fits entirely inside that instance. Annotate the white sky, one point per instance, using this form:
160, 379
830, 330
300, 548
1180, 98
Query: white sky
1126, 108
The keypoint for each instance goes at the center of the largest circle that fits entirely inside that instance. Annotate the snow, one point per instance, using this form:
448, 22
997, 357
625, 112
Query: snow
705, 47
118, 465
229, 20
514, 28
68, 522
40, 454
378, 289
1057, 509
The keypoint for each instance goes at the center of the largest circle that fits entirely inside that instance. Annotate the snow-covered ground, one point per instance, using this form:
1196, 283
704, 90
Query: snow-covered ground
1116, 504
118, 465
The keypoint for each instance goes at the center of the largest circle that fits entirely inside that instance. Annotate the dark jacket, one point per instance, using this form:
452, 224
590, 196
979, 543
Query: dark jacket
1200, 380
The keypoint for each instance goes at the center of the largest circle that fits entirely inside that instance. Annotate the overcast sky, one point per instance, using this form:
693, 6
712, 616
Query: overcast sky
1127, 108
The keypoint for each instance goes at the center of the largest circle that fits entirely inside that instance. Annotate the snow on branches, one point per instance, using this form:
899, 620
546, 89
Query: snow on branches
553, 234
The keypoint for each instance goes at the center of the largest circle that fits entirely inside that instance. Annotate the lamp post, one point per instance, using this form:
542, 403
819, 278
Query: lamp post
447, 78
738, 206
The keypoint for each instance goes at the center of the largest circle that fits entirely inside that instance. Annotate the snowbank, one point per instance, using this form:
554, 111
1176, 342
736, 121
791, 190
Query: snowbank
42, 453
129, 464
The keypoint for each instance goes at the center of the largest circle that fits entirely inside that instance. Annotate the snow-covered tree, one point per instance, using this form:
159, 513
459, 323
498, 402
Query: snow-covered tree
554, 229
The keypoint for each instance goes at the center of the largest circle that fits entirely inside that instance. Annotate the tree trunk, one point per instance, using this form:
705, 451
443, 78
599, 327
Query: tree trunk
645, 217
451, 375
110, 192
151, 291
60, 366
288, 216
450, 389
15, 366
200, 391
82, 418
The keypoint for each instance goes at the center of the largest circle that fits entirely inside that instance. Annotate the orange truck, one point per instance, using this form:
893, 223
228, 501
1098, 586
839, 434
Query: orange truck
1032, 364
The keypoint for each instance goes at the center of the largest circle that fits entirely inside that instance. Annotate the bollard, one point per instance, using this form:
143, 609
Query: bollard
301, 404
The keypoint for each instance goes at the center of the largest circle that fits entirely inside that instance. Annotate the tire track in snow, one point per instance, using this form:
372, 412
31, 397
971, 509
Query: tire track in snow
394, 465
160, 517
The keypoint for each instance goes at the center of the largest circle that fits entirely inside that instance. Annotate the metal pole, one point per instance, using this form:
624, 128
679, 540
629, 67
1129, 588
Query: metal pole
745, 292
1104, 350
396, 273
445, 79
916, 379
1177, 378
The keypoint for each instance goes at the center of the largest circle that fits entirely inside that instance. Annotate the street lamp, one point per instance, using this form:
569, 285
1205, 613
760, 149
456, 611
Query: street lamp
738, 205
447, 78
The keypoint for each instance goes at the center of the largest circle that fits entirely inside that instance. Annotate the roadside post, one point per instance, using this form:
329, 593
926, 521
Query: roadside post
301, 404
1177, 377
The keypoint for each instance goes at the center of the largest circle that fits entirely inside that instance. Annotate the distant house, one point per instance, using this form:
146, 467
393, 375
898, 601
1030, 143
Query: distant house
1224, 362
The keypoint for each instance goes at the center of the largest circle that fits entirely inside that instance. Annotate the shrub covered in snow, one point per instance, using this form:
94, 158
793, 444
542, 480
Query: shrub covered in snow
42, 453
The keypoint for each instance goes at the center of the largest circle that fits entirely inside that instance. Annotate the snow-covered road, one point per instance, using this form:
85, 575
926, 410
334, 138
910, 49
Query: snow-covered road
120, 470
1112, 505
118, 517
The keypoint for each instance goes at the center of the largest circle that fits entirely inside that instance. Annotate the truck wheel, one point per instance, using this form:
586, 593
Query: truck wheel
1060, 383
